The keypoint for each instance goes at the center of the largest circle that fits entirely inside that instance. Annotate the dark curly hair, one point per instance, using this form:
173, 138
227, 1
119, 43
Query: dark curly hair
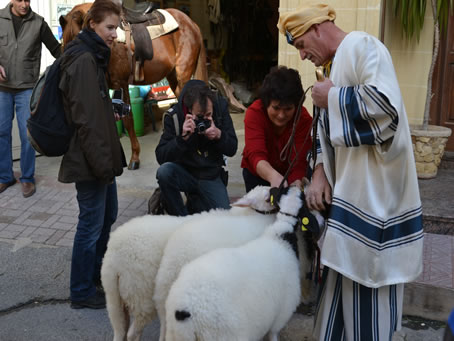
281, 84
198, 92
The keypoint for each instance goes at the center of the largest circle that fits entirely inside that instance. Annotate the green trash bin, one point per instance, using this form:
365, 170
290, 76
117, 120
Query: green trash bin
137, 115
119, 127
134, 92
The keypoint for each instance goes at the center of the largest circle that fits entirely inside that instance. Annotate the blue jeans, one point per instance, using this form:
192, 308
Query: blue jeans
98, 209
202, 195
20, 100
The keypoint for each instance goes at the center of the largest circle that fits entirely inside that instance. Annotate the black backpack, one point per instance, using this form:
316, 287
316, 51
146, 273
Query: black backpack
47, 129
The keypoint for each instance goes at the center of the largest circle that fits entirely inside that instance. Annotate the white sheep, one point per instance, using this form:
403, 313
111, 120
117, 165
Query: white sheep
128, 271
240, 293
133, 257
200, 236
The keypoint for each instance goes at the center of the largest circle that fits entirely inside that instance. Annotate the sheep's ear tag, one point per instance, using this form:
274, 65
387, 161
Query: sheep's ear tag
274, 196
303, 223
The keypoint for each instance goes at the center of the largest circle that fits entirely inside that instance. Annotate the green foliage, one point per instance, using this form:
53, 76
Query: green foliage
412, 12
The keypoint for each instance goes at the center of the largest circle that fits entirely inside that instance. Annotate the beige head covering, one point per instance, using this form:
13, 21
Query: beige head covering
296, 23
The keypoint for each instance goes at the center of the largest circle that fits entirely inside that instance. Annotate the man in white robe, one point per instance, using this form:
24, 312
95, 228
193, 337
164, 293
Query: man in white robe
365, 172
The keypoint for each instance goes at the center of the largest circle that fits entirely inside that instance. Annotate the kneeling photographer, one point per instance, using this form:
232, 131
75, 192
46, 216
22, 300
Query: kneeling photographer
198, 132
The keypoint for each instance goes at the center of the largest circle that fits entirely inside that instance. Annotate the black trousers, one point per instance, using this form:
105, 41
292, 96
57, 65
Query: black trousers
251, 181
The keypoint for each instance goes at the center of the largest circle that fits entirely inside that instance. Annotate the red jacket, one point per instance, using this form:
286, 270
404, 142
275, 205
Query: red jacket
262, 143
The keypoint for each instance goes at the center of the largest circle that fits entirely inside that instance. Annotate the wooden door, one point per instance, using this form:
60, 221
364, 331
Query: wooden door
442, 107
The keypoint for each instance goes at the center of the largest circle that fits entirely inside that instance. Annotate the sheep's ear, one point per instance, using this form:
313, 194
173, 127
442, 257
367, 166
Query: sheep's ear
242, 202
258, 198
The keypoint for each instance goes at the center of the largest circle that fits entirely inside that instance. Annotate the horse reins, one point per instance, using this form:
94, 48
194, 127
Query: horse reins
285, 153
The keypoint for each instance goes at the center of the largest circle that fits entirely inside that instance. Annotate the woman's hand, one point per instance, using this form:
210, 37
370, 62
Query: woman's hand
318, 193
297, 183
268, 173
276, 179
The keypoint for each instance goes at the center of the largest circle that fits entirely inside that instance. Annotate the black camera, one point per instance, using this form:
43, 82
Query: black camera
119, 106
201, 125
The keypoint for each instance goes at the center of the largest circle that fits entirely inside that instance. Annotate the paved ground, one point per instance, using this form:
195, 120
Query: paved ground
36, 239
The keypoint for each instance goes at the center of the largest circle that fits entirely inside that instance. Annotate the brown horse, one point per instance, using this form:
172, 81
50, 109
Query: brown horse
178, 56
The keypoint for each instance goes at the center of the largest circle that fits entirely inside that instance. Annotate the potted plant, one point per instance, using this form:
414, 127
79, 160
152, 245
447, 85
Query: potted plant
429, 141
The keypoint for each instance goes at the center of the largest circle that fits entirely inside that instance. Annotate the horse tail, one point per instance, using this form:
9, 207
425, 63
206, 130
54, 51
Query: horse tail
201, 72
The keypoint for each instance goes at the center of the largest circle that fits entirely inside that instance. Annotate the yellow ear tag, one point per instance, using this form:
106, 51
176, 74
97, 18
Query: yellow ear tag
272, 200
303, 228
305, 220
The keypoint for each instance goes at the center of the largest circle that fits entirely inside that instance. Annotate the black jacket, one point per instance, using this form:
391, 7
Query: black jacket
95, 152
203, 158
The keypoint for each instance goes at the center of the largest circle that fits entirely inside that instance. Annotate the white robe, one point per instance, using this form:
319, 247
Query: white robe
374, 234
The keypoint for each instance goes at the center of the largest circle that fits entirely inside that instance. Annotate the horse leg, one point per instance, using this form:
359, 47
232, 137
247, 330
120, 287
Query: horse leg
128, 122
173, 82
183, 75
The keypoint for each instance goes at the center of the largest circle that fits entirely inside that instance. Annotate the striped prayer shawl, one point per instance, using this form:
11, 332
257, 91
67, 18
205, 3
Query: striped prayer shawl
374, 234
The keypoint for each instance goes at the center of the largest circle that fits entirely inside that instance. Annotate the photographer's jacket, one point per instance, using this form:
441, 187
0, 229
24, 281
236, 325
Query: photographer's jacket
203, 158
95, 152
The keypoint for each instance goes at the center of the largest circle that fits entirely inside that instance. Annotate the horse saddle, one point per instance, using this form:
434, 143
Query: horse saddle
142, 12
139, 18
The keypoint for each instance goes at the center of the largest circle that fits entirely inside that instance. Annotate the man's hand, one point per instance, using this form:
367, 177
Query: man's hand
320, 93
3, 77
318, 193
213, 132
188, 127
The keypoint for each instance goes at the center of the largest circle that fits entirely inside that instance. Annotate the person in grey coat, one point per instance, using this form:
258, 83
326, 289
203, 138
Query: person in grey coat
22, 33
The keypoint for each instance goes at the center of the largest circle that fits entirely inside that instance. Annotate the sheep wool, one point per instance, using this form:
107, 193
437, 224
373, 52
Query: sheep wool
129, 268
207, 233
134, 255
239, 293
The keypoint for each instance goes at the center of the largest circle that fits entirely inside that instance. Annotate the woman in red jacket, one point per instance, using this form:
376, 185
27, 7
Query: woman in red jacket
268, 125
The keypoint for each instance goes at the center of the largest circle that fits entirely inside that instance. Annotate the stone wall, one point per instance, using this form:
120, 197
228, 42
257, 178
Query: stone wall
428, 152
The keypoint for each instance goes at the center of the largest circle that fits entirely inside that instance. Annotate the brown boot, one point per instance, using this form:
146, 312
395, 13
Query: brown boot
4, 186
28, 189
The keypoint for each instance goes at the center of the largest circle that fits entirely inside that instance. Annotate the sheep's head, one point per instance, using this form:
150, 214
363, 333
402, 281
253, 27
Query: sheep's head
257, 199
291, 201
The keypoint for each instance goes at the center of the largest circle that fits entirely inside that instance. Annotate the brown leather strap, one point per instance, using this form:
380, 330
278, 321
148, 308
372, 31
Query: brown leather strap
127, 29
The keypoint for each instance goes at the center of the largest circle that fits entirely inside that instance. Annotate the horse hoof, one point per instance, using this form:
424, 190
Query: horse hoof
133, 165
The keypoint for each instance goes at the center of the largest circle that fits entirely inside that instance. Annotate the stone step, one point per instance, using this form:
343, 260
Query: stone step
427, 301
438, 225
447, 162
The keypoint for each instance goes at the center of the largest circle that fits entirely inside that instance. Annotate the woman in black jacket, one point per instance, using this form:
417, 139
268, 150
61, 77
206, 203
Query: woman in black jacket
95, 156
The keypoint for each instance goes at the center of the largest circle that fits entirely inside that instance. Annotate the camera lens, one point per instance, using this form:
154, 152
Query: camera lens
201, 127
